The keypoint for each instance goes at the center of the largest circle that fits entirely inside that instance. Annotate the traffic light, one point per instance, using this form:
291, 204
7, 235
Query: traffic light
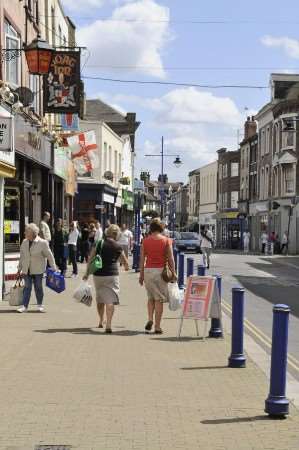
275, 205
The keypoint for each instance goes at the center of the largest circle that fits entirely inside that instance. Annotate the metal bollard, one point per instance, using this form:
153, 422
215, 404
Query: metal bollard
137, 258
215, 330
175, 256
181, 270
134, 257
190, 267
277, 404
201, 270
237, 357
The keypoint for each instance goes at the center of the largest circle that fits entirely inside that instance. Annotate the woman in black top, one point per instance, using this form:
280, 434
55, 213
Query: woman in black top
106, 280
85, 248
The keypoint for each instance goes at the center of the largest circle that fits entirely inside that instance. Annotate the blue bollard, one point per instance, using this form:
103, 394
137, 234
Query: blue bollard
277, 404
175, 256
137, 256
237, 357
181, 270
134, 257
190, 267
216, 330
201, 270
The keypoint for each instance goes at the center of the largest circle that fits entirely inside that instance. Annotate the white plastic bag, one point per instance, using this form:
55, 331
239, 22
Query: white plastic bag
83, 294
174, 296
16, 293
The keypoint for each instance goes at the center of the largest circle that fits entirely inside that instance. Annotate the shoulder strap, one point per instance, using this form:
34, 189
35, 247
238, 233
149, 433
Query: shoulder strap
99, 247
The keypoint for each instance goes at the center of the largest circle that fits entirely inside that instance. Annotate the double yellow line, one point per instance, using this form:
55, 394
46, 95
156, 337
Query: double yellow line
262, 337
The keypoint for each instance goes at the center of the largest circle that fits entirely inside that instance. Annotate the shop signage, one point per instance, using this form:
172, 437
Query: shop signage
70, 122
62, 84
138, 185
108, 198
6, 134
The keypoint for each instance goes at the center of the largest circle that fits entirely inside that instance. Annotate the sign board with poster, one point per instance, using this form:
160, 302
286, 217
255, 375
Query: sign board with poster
201, 301
62, 83
70, 122
6, 144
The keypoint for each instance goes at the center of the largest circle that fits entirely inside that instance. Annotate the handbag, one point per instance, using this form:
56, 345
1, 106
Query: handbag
55, 281
16, 293
96, 262
168, 275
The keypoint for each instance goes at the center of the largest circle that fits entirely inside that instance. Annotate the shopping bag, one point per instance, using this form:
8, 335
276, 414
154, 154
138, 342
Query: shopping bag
55, 281
96, 263
174, 296
16, 293
83, 294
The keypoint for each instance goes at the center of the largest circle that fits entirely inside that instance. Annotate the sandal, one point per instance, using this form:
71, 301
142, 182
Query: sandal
100, 325
160, 331
108, 331
149, 325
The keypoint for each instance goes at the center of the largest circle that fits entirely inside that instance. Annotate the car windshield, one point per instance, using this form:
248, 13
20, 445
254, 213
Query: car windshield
189, 236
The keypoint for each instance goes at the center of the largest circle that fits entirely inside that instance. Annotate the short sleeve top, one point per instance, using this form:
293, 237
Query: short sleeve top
155, 251
111, 252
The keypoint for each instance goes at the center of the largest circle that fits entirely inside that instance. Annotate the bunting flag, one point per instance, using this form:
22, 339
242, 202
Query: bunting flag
84, 152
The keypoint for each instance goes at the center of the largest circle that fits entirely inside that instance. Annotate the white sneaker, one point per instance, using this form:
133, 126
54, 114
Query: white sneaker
74, 275
22, 309
40, 308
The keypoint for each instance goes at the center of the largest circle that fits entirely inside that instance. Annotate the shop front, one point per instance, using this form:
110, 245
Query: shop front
95, 202
258, 221
230, 228
7, 171
127, 208
30, 192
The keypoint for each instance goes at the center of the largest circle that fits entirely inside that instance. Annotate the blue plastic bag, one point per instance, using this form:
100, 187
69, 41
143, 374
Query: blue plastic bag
55, 281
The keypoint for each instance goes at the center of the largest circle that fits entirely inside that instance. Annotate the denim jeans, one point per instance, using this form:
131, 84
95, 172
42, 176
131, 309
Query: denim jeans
37, 280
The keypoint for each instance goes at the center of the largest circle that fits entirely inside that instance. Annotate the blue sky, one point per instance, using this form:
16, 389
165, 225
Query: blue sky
155, 40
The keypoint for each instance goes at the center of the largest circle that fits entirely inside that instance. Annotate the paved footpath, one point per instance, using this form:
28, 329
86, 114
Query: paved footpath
64, 382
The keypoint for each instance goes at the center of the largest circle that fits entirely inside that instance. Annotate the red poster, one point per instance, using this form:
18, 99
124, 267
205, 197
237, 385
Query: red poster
198, 297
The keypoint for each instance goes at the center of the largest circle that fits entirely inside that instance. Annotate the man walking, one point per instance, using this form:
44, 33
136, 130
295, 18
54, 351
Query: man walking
284, 243
264, 241
125, 239
44, 229
206, 244
72, 244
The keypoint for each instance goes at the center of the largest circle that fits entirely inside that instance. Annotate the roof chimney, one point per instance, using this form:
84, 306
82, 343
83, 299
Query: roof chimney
249, 127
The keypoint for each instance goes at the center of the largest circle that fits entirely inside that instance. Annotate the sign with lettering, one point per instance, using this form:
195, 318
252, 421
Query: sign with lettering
6, 134
62, 84
198, 297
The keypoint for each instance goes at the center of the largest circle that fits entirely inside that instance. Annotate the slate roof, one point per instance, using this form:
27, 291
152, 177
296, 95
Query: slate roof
99, 110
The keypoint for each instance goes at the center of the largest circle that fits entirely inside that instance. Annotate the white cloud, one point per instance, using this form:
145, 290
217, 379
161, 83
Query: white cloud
80, 6
135, 36
290, 46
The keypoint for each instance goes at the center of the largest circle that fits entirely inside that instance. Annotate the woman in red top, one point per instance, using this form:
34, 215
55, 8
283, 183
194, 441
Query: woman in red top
155, 249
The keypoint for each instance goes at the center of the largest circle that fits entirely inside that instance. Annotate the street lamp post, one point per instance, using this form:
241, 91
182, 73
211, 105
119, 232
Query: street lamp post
177, 162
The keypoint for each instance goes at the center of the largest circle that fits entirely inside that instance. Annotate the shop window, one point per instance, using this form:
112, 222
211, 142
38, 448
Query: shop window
12, 219
13, 66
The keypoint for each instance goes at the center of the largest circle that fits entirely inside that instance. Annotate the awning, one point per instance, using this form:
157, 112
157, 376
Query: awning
6, 170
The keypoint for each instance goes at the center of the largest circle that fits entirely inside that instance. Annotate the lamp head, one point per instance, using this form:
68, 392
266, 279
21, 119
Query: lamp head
177, 162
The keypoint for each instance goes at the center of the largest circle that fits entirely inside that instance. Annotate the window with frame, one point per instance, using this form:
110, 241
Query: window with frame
262, 142
289, 180
110, 158
267, 140
12, 66
105, 156
34, 87
234, 198
234, 169
220, 171
224, 173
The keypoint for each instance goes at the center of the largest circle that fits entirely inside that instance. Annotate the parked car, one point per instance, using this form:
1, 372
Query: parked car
187, 241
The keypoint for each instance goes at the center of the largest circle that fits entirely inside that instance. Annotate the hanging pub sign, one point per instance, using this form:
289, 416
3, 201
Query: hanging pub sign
62, 84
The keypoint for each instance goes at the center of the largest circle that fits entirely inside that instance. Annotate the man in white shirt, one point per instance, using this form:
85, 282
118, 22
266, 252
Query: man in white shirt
72, 244
264, 240
44, 229
125, 239
206, 244
99, 232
